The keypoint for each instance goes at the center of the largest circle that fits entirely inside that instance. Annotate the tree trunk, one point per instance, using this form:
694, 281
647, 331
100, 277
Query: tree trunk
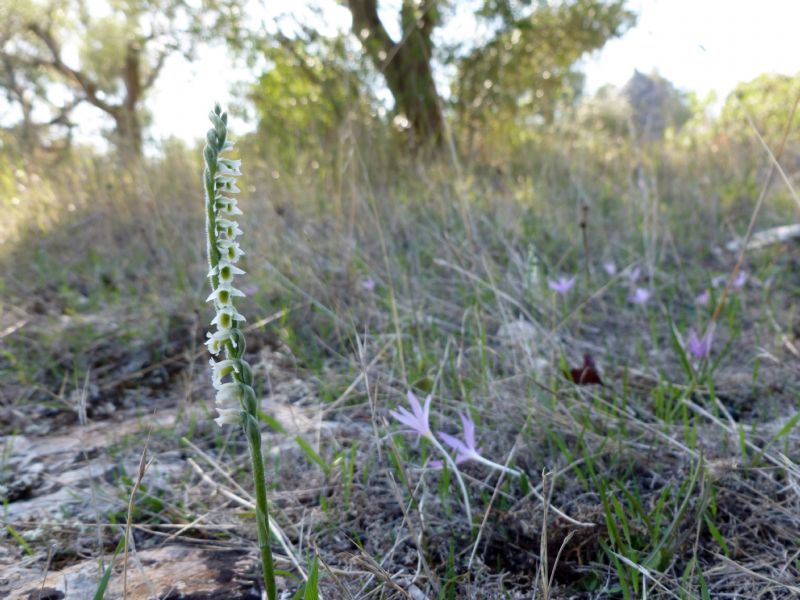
126, 118
128, 133
410, 80
405, 64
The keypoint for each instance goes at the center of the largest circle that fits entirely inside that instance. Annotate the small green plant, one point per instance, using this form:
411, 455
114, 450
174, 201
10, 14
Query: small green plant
235, 398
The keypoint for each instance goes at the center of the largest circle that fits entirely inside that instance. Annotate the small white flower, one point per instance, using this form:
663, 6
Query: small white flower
226, 271
229, 228
228, 185
228, 400
224, 294
228, 416
214, 345
228, 209
217, 340
224, 202
228, 395
229, 167
226, 316
232, 253
220, 369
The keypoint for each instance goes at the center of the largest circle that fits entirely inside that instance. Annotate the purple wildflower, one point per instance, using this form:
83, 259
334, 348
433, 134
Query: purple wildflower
700, 347
368, 284
703, 299
640, 296
562, 285
465, 450
418, 420
610, 268
738, 281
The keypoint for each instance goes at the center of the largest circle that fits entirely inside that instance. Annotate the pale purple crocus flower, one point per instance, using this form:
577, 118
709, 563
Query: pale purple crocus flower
562, 285
738, 281
610, 268
703, 299
418, 420
368, 284
700, 347
640, 296
466, 449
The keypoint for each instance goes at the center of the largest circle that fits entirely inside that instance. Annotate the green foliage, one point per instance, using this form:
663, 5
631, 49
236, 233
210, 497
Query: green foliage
102, 586
768, 101
310, 589
306, 95
121, 47
527, 68
650, 510
103, 49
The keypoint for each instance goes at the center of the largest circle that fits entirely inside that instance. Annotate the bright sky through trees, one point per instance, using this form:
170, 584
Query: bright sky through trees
700, 45
703, 45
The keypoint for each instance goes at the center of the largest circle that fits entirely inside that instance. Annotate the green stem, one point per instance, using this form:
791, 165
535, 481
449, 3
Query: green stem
211, 226
452, 464
262, 508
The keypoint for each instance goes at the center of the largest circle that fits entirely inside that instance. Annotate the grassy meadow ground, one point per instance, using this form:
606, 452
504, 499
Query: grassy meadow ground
670, 480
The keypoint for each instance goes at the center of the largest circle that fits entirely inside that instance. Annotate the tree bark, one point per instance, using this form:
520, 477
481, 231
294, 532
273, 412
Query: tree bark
406, 64
127, 133
126, 117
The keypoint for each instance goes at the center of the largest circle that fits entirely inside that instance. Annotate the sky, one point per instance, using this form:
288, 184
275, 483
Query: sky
703, 45
700, 45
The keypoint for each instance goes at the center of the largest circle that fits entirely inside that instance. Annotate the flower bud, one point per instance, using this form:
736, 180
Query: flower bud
210, 155
211, 138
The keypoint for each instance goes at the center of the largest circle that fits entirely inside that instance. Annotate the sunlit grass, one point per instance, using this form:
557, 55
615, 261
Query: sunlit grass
671, 461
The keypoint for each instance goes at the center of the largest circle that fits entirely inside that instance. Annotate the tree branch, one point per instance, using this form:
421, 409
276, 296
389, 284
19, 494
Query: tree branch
87, 85
365, 16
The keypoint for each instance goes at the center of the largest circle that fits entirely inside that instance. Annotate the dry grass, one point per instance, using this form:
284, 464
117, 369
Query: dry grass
691, 481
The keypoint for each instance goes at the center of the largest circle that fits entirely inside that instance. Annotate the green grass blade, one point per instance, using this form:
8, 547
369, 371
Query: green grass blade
103, 585
312, 454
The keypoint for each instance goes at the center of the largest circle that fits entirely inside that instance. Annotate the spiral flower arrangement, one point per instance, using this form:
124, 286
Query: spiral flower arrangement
232, 376
234, 396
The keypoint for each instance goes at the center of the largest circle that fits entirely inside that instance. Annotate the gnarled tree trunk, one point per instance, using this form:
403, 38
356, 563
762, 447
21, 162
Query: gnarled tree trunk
405, 64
